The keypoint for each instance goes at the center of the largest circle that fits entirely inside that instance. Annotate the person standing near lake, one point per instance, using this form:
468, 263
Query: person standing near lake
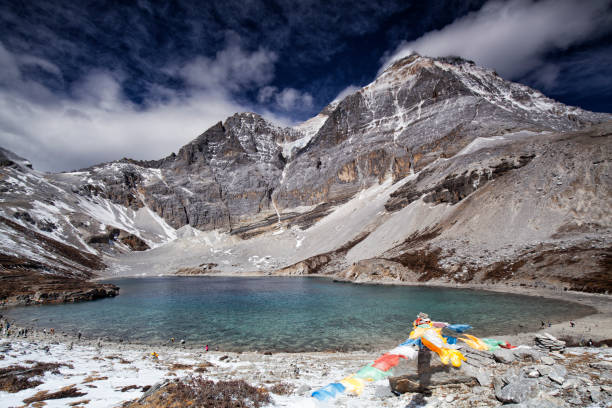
206, 348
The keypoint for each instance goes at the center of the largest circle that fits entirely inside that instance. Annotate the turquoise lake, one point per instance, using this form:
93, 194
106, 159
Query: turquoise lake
286, 313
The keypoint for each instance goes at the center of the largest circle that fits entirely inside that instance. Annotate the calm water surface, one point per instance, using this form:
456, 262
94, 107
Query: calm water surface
292, 314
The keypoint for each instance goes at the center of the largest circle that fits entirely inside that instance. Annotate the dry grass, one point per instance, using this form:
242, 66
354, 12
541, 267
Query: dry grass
281, 389
79, 403
197, 392
121, 359
91, 379
17, 378
69, 391
202, 367
180, 366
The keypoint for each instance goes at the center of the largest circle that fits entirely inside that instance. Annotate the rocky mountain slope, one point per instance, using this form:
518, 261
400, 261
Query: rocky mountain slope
438, 170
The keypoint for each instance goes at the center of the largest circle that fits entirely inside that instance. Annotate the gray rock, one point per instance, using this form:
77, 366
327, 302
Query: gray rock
544, 370
607, 388
483, 378
504, 356
303, 389
547, 360
527, 354
602, 365
558, 356
533, 374
576, 399
517, 390
557, 374
556, 378
481, 374
595, 393
570, 383
548, 342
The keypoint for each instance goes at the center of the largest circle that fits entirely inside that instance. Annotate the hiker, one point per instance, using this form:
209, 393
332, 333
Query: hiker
79, 335
206, 348
572, 324
549, 325
172, 339
590, 343
543, 324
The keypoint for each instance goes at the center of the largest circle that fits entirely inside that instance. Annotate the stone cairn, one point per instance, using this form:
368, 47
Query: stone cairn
550, 343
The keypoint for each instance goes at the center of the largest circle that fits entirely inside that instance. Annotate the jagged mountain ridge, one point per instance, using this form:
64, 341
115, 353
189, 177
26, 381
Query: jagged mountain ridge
249, 177
416, 111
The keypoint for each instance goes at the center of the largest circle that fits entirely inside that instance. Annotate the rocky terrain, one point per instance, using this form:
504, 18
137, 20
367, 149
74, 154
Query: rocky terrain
545, 372
439, 171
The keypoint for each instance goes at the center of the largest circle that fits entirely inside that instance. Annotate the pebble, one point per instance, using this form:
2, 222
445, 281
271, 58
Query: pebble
595, 393
547, 360
533, 374
570, 383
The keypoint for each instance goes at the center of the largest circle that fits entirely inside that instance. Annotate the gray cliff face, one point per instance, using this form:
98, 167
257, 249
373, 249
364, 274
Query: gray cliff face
240, 172
415, 112
223, 178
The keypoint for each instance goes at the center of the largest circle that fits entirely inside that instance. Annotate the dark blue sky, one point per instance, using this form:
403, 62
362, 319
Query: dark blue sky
112, 63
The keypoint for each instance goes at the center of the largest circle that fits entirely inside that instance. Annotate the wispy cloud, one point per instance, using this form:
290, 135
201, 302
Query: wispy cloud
96, 122
514, 37
232, 68
287, 99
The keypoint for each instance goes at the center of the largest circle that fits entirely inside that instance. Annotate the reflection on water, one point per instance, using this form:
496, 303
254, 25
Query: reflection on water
293, 314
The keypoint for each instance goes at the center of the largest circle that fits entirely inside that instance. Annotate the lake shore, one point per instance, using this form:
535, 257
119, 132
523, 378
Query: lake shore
109, 373
596, 326
120, 370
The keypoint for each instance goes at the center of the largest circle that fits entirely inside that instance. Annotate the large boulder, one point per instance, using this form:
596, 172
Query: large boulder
517, 390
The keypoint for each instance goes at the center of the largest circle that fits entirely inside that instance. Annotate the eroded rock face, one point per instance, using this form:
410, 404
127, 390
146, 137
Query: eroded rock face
241, 171
455, 187
221, 179
417, 111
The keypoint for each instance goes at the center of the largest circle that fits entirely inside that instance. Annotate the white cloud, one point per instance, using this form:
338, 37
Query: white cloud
232, 69
100, 89
286, 99
512, 37
96, 122
266, 94
290, 98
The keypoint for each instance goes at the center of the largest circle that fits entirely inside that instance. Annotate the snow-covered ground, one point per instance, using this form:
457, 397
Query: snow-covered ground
113, 367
